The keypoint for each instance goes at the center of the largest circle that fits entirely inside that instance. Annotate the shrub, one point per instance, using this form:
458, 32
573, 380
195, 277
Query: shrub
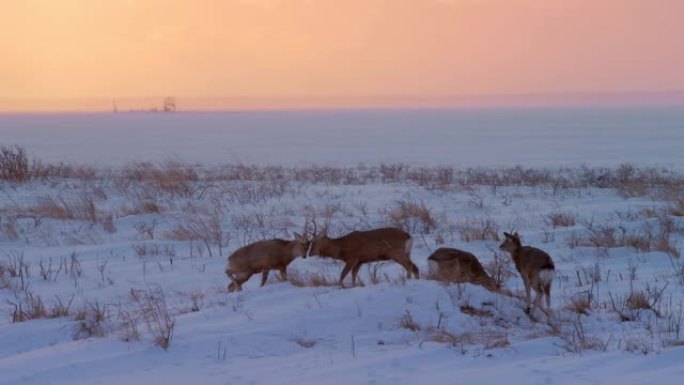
478, 230
411, 217
154, 310
560, 219
14, 164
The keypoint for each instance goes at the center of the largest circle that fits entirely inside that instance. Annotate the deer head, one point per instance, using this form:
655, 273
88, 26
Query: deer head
511, 242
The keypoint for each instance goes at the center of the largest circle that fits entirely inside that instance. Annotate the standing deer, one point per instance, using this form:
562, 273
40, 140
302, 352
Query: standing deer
535, 267
262, 257
459, 266
359, 247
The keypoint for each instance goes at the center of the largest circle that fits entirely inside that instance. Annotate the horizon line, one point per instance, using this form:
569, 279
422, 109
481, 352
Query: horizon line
348, 102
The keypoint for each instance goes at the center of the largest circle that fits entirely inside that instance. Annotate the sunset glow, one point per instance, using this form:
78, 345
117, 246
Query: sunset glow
61, 53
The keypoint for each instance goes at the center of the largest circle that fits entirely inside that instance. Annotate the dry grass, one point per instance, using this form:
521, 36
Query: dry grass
407, 322
171, 176
14, 164
628, 307
499, 268
577, 340
177, 178
203, 228
129, 325
443, 336
153, 309
9, 228
91, 320
475, 312
60, 308
677, 207
411, 216
579, 304
650, 237
305, 342
560, 219
478, 229
488, 339
27, 307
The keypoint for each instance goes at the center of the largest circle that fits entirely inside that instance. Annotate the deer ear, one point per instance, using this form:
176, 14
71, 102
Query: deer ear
507, 235
298, 236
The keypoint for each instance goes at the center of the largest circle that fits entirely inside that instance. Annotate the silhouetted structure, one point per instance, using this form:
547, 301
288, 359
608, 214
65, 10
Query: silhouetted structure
169, 104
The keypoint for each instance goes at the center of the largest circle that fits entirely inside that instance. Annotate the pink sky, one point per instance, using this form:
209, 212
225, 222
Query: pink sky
71, 54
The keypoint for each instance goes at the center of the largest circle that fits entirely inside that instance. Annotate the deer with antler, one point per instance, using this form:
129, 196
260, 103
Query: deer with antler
359, 247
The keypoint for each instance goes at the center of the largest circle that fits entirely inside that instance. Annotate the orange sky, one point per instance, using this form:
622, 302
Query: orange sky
68, 50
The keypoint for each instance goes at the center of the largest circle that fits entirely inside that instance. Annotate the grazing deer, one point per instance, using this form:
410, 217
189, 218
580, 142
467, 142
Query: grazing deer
535, 267
359, 247
459, 266
262, 257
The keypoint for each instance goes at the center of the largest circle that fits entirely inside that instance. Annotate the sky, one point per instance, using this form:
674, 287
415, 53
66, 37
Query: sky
71, 53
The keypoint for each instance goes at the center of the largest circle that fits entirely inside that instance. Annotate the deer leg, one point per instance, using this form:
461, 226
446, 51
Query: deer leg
347, 266
283, 273
528, 296
355, 271
233, 286
547, 292
264, 276
238, 280
537, 298
414, 269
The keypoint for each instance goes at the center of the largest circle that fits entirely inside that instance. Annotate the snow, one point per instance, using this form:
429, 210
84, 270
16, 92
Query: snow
490, 137
287, 334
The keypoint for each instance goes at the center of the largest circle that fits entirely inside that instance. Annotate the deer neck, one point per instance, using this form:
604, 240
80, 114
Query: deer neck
516, 255
290, 249
331, 249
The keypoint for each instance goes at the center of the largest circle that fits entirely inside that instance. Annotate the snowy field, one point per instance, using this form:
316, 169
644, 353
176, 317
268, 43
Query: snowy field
114, 273
489, 137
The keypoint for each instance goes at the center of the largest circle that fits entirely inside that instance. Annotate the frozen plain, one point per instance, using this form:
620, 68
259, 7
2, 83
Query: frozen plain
292, 334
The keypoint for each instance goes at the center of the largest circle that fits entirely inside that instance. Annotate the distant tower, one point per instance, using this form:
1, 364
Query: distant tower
169, 104
114, 107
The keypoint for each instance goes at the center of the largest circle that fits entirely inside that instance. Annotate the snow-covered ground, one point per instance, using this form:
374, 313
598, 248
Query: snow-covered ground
543, 137
124, 245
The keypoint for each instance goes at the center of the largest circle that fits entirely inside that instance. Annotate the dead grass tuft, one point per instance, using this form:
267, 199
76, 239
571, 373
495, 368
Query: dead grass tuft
91, 319
411, 216
305, 342
560, 219
153, 309
407, 322
171, 176
475, 312
14, 164
478, 229
579, 304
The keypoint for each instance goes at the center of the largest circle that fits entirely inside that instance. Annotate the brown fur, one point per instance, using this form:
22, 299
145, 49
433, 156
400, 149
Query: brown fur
460, 266
359, 247
262, 257
534, 265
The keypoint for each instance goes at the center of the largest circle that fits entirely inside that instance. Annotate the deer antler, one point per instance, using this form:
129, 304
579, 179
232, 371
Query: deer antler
311, 220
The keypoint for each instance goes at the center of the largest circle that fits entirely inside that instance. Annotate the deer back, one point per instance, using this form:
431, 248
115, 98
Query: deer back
263, 255
370, 245
530, 260
457, 265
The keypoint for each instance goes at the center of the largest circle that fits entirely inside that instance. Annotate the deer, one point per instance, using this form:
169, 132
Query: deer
262, 257
535, 267
459, 266
359, 247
